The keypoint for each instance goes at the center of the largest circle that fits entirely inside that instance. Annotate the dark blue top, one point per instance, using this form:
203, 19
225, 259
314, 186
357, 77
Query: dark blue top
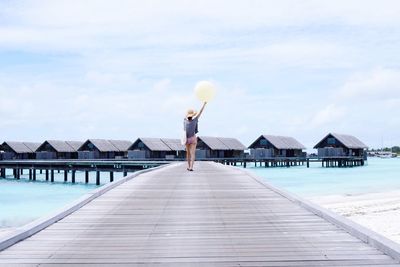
191, 127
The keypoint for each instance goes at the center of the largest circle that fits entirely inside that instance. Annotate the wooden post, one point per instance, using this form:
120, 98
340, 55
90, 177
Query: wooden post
97, 177
47, 174
111, 176
3, 173
73, 176
52, 175
22, 171
17, 174
65, 175
125, 173
30, 174
41, 171
244, 164
86, 177
308, 163
34, 174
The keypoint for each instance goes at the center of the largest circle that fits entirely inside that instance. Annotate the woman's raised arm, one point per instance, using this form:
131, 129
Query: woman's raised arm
201, 110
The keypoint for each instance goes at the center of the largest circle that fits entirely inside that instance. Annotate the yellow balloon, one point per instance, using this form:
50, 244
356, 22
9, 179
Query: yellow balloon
205, 91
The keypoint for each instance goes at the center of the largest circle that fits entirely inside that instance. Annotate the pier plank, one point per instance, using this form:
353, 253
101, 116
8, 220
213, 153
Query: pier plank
214, 216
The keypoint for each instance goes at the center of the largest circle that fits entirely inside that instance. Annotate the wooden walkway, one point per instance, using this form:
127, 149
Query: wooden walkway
214, 216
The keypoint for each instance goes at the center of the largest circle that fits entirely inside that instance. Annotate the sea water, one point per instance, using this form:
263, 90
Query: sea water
378, 175
22, 201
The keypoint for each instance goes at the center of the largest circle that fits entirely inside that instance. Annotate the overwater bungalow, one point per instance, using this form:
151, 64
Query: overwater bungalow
273, 146
156, 148
336, 145
57, 149
219, 147
18, 150
103, 149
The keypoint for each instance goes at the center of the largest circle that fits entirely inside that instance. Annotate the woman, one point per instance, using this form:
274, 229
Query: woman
191, 122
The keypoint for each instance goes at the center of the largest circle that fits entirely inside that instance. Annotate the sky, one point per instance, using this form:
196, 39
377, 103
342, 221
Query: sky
73, 70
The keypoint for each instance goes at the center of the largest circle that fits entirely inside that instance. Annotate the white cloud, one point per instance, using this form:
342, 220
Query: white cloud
330, 114
378, 84
93, 24
126, 68
365, 105
101, 78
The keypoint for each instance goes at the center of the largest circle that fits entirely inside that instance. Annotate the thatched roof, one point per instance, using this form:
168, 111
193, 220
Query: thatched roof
280, 142
74, 144
159, 144
213, 143
57, 145
153, 144
32, 145
232, 143
102, 145
173, 144
19, 147
346, 140
121, 145
222, 143
61, 146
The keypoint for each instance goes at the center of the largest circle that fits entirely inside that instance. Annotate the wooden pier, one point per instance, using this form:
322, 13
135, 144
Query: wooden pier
215, 216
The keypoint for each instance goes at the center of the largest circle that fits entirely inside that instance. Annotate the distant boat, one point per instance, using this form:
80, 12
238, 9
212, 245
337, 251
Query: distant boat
385, 154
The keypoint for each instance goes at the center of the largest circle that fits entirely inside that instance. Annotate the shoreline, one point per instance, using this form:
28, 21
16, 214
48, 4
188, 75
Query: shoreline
378, 211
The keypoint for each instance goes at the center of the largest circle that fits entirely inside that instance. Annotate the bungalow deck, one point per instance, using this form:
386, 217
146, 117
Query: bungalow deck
214, 216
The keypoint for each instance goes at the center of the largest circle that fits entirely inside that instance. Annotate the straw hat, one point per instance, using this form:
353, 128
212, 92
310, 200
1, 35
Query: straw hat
191, 113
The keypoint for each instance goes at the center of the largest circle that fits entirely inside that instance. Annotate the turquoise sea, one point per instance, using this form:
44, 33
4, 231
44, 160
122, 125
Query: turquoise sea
22, 201
377, 176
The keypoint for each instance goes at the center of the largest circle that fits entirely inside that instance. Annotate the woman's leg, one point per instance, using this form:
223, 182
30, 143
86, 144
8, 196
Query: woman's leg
192, 154
188, 155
